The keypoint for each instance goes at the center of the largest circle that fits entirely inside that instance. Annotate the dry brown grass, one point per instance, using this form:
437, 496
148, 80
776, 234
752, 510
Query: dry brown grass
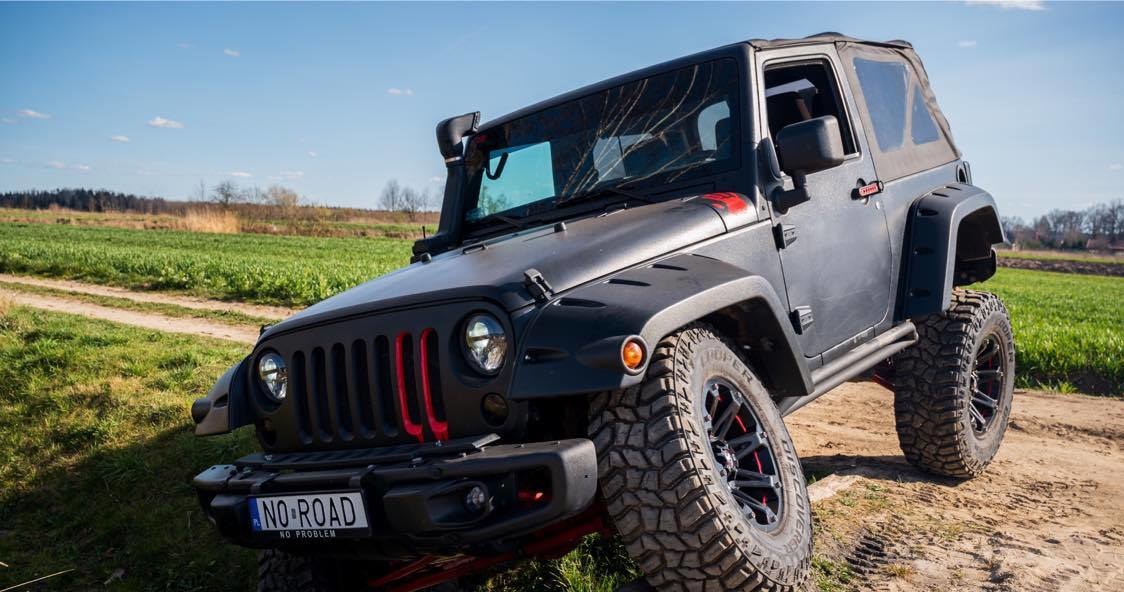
6, 306
210, 220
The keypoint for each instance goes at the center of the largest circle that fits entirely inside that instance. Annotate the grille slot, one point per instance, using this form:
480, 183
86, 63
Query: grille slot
360, 380
384, 392
378, 390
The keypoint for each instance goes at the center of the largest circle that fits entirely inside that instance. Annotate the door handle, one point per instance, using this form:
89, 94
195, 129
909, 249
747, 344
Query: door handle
864, 190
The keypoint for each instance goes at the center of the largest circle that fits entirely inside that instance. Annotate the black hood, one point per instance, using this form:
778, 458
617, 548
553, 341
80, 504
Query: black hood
587, 249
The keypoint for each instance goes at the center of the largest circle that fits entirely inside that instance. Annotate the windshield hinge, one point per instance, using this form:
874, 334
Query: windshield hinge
537, 285
784, 234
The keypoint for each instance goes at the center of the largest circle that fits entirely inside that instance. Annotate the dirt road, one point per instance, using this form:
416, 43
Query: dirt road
257, 310
1047, 515
147, 320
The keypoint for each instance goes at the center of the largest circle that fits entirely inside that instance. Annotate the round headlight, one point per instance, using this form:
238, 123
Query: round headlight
274, 375
485, 344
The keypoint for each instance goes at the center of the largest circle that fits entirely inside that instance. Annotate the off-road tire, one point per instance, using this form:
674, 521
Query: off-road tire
657, 474
279, 571
933, 387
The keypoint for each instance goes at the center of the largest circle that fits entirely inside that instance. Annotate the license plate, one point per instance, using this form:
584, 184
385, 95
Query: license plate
310, 516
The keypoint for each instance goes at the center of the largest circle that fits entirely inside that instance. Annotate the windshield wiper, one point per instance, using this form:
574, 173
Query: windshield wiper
510, 220
608, 190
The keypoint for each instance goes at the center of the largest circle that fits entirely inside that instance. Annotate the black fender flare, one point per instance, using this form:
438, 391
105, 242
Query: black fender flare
949, 238
572, 345
225, 407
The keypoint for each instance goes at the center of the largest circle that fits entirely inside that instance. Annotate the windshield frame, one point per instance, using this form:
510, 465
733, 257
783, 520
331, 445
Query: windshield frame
551, 208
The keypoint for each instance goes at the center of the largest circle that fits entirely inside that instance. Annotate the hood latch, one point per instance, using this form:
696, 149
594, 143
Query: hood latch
537, 285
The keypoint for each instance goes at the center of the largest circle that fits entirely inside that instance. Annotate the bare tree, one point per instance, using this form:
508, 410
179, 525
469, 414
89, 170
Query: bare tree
226, 194
414, 202
282, 197
392, 194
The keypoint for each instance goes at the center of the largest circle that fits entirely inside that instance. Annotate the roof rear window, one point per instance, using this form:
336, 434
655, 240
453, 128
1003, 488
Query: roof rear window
884, 87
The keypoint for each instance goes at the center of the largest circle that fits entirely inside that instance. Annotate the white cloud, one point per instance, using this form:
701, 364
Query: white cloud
240, 174
59, 165
1116, 166
1010, 4
398, 92
292, 175
312, 153
7, 120
32, 114
145, 173
7, 160
437, 179
183, 45
232, 52
119, 138
164, 123
967, 44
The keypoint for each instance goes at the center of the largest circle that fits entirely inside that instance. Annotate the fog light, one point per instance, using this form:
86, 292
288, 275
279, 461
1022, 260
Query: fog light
495, 410
476, 499
633, 354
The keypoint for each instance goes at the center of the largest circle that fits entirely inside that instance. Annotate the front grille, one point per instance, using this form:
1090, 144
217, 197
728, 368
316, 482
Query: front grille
378, 389
396, 377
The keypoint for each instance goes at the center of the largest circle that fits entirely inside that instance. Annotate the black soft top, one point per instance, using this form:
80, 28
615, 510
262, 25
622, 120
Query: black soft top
892, 164
826, 37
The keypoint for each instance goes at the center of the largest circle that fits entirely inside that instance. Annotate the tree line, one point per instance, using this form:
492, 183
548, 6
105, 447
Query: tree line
1095, 228
394, 197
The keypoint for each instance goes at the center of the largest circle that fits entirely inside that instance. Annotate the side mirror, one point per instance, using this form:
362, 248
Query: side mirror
451, 131
810, 146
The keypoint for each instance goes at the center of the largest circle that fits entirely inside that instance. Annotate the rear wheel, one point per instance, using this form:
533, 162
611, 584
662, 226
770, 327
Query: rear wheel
954, 388
699, 474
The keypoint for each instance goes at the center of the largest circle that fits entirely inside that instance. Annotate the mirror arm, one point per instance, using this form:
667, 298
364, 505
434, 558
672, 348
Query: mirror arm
784, 199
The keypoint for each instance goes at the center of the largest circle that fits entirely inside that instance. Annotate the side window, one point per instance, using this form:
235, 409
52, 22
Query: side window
802, 91
922, 128
884, 89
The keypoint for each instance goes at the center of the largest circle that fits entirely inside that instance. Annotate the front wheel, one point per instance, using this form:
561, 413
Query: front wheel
280, 571
953, 389
699, 473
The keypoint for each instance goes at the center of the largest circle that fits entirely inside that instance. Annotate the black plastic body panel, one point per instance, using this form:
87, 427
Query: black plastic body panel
936, 221
403, 489
650, 301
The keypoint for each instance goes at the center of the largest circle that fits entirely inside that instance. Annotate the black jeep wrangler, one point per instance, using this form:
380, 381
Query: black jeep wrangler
631, 285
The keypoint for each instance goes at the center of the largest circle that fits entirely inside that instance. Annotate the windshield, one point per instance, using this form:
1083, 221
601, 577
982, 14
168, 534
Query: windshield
657, 130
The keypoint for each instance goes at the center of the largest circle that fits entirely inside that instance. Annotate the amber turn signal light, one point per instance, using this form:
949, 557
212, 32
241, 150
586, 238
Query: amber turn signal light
632, 354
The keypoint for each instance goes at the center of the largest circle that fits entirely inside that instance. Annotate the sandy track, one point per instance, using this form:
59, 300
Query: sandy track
159, 322
257, 310
1047, 515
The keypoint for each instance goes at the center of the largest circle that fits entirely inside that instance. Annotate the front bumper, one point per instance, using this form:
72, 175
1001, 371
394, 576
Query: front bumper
413, 493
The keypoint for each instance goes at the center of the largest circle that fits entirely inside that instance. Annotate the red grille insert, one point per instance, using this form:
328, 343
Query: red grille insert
412, 427
439, 427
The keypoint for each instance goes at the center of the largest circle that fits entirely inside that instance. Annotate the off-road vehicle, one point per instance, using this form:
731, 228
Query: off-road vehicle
631, 285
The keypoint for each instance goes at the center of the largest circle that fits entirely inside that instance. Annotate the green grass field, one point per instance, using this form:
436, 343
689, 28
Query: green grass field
1069, 329
294, 270
1082, 256
97, 455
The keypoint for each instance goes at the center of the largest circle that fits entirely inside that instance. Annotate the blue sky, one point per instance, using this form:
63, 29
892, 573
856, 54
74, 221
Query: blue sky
335, 99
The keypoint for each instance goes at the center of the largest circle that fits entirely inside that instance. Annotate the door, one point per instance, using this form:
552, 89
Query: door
837, 270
